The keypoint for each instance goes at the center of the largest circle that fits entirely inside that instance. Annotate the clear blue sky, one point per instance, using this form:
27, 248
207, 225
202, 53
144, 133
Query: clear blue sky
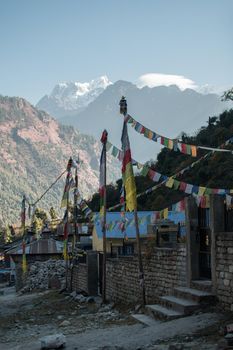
44, 42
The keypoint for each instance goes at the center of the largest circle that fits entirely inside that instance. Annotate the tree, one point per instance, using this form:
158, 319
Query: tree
39, 219
53, 213
228, 95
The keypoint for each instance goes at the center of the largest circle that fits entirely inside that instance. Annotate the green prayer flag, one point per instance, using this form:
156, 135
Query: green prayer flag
115, 151
145, 170
176, 184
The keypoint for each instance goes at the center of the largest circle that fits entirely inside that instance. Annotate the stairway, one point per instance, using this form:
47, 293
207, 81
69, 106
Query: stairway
184, 301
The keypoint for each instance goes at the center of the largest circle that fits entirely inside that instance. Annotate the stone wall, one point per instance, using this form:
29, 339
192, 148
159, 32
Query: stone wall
85, 275
164, 269
224, 269
79, 278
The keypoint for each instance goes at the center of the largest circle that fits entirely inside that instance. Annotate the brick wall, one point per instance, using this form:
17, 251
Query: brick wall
224, 269
79, 278
164, 269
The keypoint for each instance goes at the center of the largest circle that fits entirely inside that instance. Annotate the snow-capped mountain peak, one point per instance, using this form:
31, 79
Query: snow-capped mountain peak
74, 96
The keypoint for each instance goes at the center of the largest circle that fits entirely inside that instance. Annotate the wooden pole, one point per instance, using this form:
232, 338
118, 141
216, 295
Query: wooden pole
67, 266
76, 236
140, 265
104, 140
24, 217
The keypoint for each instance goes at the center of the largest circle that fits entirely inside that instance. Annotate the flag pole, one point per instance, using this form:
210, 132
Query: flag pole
23, 220
103, 172
75, 210
75, 235
67, 228
123, 110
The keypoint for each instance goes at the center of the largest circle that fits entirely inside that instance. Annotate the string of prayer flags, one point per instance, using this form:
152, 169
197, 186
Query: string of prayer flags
175, 184
171, 144
165, 141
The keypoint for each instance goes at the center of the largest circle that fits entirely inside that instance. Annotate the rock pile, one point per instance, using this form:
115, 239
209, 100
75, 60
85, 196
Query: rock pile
44, 275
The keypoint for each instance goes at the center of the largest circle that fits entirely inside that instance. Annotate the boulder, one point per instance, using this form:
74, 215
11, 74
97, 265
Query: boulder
56, 341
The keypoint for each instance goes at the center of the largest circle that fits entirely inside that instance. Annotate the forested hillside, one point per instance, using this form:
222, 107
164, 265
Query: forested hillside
216, 171
34, 150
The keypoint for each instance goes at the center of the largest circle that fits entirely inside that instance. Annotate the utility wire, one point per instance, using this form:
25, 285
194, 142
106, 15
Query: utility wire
49, 188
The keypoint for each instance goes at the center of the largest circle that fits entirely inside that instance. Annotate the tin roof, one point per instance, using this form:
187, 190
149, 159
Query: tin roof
41, 246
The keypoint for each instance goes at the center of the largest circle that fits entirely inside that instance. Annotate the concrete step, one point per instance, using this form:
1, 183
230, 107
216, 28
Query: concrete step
204, 285
184, 306
162, 313
199, 296
146, 320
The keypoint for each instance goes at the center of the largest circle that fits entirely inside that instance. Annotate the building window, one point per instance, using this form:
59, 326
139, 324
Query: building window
127, 249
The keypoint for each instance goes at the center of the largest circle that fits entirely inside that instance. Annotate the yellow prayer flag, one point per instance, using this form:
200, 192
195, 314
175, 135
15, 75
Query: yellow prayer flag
24, 263
194, 151
150, 134
170, 144
201, 191
169, 182
102, 211
65, 253
165, 213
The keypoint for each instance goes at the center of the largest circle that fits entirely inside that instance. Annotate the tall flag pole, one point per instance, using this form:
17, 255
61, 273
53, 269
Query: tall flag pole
103, 199
75, 236
130, 190
23, 225
65, 200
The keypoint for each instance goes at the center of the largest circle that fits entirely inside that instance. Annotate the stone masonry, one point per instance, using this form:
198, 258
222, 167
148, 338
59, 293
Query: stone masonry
164, 270
79, 280
224, 269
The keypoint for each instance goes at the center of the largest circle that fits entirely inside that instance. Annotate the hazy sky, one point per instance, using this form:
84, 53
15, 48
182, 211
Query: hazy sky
44, 42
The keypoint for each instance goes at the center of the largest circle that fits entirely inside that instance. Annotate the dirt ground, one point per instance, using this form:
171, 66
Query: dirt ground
25, 319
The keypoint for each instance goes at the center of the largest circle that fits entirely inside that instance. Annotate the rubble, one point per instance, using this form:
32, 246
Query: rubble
56, 341
43, 275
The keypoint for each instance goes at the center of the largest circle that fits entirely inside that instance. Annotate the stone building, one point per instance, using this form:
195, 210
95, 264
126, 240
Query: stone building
124, 243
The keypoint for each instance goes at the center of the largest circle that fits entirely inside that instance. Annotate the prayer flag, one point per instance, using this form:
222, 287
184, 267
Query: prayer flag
201, 191
24, 261
165, 213
102, 176
194, 151
169, 182
127, 172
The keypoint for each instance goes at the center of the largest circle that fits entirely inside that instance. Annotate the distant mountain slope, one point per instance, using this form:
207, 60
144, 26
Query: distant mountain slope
34, 150
167, 110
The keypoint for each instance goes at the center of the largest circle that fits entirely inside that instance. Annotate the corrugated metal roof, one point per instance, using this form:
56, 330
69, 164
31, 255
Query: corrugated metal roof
130, 230
41, 246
